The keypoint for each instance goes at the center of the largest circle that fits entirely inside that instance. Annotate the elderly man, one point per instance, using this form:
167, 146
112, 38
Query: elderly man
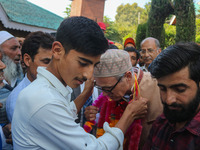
13, 74
114, 76
47, 118
5, 132
11, 57
150, 48
36, 51
178, 73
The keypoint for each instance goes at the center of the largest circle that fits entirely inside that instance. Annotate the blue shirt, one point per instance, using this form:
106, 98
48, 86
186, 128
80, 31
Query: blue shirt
12, 98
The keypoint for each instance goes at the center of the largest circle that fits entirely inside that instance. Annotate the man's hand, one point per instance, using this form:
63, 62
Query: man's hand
89, 84
87, 92
90, 113
136, 109
7, 132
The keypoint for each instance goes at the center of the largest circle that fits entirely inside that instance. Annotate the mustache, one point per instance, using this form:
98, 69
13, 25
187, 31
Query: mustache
81, 79
173, 105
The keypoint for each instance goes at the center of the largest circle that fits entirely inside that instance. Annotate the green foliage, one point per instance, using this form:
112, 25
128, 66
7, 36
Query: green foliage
170, 35
128, 14
111, 32
185, 20
145, 13
127, 19
68, 10
198, 39
198, 30
141, 34
160, 9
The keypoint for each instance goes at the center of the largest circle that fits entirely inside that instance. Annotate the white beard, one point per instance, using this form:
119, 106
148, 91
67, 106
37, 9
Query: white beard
12, 70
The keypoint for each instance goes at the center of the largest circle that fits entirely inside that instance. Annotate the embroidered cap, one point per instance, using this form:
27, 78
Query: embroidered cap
4, 35
112, 63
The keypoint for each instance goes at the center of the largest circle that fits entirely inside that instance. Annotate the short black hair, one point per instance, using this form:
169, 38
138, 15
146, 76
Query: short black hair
176, 57
112, 46
34, 41
132, 49
83, 35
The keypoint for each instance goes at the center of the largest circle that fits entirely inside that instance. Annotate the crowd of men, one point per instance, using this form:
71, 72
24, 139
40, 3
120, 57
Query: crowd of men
78, 91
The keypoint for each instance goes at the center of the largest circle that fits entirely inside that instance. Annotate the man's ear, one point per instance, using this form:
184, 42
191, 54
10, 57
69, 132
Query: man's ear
27, 59
159, 50
58, 50
128, 75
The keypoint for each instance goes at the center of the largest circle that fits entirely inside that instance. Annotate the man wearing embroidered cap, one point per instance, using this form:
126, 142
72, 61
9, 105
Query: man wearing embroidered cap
47, 120
114, 76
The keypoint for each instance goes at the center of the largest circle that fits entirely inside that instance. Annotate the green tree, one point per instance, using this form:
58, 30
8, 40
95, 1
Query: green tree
127, 19
145, 13
198, 31
185, 20
141, 34
170, 35
111, 31
128, 14
68, 10
160, 9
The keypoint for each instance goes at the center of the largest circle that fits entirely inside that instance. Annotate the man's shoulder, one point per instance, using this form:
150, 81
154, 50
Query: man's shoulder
15, 92
149, 84
159, 122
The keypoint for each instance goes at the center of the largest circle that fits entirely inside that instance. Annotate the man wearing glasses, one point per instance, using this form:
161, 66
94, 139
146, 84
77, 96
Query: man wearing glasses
114, 76
150, 48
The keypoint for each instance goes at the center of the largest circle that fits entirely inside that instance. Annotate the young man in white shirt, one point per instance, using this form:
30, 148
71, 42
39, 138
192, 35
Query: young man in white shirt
47, 118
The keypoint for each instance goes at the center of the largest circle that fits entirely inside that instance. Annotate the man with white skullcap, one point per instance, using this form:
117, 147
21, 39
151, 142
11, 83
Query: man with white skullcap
114, 76
11, 53
11, 57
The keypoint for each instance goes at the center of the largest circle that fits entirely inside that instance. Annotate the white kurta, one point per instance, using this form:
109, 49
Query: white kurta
44, 118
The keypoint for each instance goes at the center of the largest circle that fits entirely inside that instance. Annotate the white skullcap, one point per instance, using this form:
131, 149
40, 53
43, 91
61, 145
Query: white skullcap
4, 35
112, 63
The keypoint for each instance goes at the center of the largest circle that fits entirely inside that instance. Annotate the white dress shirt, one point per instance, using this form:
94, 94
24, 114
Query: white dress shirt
12, 98
44, 118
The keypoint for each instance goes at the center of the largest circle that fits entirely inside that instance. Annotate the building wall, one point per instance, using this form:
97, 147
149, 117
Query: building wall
93, 9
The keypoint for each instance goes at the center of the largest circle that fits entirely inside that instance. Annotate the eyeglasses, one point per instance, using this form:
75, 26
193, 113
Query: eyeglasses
108, 91
149, 51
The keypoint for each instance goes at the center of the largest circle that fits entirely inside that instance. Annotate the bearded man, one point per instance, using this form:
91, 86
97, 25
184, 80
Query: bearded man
13, 74
11, 58
178, 73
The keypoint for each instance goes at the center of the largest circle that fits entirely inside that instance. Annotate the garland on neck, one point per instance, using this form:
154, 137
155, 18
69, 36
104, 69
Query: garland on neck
111, 112
98, 103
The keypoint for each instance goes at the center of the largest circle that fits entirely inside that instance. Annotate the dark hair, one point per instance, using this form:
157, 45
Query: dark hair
175, 58
83, 35
34, 41
112, 46
132, 49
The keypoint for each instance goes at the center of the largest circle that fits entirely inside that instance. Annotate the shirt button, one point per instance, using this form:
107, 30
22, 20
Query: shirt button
172, 140
85, 144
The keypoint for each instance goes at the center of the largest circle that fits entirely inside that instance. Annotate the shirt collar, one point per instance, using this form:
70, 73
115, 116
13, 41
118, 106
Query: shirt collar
192, 126
65, 91
26, 80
